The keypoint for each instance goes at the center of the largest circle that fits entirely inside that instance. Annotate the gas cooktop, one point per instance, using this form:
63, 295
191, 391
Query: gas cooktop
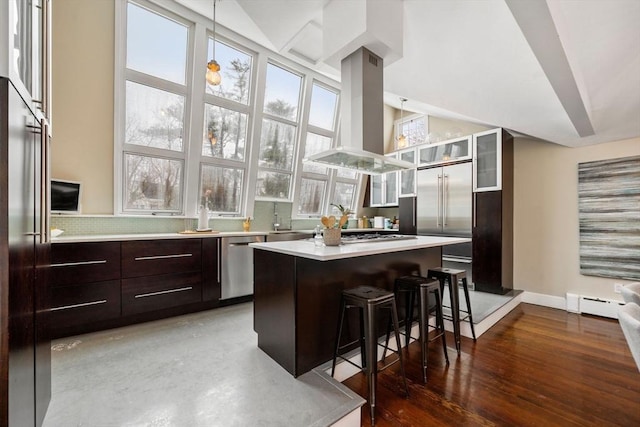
375, 237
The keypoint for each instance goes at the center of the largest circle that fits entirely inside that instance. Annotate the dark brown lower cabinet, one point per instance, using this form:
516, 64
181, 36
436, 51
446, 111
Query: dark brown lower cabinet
100, 285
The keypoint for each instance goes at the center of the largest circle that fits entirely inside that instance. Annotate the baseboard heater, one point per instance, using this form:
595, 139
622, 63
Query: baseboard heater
599, 306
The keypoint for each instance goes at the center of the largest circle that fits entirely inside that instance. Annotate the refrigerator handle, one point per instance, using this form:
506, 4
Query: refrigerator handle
439, 200
445, 198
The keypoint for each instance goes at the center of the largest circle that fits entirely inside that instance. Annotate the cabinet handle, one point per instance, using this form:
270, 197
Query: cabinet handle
168, 291
72, 264
31, 233
475, 196
414, 211
219, 260
84, 304
146, 258
44, 181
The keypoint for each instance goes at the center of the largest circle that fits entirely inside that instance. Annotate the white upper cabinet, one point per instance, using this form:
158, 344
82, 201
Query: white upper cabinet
487, 160
445, 152
384, 188
24, 49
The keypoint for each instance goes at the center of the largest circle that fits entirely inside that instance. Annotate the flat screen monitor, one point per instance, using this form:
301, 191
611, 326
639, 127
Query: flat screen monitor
65, 197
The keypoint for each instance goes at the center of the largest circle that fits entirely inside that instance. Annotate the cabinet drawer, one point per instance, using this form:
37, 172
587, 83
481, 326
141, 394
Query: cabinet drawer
150, 293
73, 263
80, 304
152, 257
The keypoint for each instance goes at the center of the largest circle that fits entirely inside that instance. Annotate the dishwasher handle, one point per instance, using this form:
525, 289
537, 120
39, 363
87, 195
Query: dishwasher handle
239, 244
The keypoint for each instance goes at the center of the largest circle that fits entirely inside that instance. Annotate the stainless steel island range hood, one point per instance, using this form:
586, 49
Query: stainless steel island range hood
362, 119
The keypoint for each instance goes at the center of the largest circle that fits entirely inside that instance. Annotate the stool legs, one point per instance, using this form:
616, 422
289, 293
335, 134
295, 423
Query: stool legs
454, 296
368, 305
466, 296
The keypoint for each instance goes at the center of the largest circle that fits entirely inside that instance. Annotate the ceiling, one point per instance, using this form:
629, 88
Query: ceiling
564, 71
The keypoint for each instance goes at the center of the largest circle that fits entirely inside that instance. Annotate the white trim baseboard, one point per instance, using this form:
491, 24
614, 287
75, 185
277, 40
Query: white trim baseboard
544, 300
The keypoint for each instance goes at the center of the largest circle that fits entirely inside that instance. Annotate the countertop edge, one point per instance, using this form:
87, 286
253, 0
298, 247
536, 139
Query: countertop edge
328, 253
153, 236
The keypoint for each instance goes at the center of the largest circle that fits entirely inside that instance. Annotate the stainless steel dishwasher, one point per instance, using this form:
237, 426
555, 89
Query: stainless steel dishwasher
236, 265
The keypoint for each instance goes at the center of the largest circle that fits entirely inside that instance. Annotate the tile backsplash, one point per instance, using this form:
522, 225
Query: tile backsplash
262, 220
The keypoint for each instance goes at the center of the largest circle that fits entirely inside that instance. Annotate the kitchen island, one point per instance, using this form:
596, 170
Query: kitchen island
297, 289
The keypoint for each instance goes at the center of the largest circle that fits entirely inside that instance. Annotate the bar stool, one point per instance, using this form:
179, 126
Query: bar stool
452, 276
369, 301
422, 287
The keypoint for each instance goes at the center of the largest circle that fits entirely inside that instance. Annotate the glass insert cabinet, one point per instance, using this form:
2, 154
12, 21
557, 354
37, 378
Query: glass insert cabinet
487, 160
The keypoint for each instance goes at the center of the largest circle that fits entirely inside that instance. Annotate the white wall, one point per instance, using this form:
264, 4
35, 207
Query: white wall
546, 231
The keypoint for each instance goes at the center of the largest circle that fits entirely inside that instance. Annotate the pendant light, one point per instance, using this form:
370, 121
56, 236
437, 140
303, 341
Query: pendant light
213, 76
401, 140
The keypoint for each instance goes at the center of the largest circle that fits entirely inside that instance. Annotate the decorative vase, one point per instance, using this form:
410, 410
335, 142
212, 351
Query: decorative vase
203, 219
331, 236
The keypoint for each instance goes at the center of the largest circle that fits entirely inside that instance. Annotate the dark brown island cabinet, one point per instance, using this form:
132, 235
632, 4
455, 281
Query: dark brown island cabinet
25, 348
298, 289
492, 223
100, 285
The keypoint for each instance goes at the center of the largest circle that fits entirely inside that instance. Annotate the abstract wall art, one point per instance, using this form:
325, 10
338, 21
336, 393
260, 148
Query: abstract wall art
609, 216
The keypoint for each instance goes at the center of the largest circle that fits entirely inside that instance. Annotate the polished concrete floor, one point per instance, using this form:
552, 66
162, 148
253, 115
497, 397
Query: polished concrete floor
202, 369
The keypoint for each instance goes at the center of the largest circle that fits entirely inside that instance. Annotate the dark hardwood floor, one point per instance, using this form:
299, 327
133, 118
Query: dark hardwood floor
537, 367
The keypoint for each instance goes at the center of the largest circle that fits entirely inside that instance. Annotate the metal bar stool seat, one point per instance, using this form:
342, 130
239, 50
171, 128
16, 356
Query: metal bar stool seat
453, 277
369, 301
429, 301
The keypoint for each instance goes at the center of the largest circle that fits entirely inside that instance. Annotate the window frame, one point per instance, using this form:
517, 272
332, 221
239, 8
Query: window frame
121, 77
194, 91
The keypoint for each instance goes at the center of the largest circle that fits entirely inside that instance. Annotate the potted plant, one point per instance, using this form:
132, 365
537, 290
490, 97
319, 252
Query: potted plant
345, 212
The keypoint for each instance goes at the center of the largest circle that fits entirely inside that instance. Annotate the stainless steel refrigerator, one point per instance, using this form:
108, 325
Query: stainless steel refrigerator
444, 208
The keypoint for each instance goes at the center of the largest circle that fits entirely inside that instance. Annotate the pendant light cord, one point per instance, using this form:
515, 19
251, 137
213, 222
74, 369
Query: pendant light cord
214, 29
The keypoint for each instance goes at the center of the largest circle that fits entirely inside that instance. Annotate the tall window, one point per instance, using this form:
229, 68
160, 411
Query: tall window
156, 92
182, 143
279, 132
224, 155
320, 136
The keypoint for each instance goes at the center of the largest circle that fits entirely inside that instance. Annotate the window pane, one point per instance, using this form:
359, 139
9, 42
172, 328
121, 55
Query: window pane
376, 189
347, 173
225, 133
282, 93
152, 183
276, 145
315, 144
323, 107
272, 184
156, 45
344, 194
223, 187
414, 130
235, 68
154, 118
311, 195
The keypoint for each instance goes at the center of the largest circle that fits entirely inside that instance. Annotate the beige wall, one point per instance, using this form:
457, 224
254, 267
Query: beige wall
447, 128
82, 99
546, 233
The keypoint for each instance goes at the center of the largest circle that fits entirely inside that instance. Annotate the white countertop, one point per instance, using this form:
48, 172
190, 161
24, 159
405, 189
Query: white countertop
307, 249
152, 236
198, 235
